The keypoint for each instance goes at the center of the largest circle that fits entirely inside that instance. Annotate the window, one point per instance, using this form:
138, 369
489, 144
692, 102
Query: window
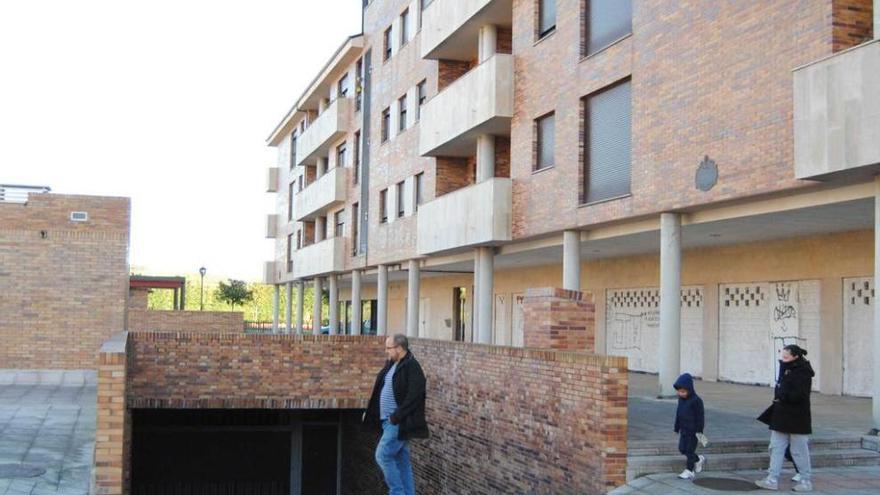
422, 7
342, 87
386, 44
354, 229
340, 223
546, 137
356, 157
340, 155
358, 79
607, 143
290, 202
401, 110
546, 17
421, 97
419, 185
383, 206
289, 253
404, 27
400, 208
299, 239
299, 183
386, 124
606, 22
292, 150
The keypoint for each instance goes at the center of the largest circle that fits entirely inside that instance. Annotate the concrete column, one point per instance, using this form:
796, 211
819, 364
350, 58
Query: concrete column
487, 42
485, 295
300, 290
316, 307
356, 302
382, 303
571, 260
320, 228
321, 167
475, 308
670, 302
876, 345
412, 299
275, 303
333, 289
289, 307
485, 157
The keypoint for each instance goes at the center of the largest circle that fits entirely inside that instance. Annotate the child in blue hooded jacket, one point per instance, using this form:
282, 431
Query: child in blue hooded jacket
689, 420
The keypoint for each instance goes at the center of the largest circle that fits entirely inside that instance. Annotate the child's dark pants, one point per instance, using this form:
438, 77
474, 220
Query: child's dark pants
687, 445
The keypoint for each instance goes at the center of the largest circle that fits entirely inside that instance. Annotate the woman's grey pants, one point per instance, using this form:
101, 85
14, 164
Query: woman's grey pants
800, 452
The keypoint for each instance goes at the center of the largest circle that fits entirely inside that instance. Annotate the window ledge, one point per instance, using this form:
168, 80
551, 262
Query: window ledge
544, 37
606, 47
606, 200
539, 170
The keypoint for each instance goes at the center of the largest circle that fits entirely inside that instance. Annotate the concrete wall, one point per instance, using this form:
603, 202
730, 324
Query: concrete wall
325, 192
323, 257
334, 122
64, 283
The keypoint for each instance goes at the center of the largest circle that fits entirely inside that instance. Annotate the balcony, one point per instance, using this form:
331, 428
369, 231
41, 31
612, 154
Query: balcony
837, 115
331, 125
269, 275
471, 216
321, 258
271, 226
326, 192
450, 28
272, 180
479, 102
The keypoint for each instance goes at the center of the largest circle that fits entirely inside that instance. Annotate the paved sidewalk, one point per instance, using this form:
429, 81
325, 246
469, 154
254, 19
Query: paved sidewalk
731, 411
47, 422
826, 481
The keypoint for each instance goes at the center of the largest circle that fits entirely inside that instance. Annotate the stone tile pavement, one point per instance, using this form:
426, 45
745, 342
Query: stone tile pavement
47, 420
826, 481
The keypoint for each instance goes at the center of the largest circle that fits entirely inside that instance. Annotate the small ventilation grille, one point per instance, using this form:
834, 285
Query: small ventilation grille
79, 216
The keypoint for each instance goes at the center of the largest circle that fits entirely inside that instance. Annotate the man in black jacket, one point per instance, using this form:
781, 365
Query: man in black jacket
397, 406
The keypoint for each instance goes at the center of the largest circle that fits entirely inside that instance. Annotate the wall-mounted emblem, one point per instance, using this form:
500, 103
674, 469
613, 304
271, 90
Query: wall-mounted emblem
707, 174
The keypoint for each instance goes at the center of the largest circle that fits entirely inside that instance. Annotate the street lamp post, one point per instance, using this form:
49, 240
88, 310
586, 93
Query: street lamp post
202, 272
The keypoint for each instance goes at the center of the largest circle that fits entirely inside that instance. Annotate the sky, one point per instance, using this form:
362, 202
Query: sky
168, 103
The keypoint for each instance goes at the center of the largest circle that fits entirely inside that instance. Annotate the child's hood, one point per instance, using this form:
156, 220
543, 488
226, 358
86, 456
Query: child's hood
686, 381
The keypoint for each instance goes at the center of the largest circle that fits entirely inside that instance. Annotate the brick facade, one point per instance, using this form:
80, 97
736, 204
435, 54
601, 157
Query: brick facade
65, 283
113, 434
559, 319
140, 320
853, 23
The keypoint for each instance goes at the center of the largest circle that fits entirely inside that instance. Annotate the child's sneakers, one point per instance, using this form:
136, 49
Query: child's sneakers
767, 484
803, 486
687, 474
700, 462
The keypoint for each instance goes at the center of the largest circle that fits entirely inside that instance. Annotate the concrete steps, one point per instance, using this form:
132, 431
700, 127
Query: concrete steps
734, 455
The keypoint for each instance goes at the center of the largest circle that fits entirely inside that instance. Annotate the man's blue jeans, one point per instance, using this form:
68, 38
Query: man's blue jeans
392, 455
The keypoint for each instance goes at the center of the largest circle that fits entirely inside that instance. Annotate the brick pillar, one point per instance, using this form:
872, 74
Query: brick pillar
559, 319
113, 434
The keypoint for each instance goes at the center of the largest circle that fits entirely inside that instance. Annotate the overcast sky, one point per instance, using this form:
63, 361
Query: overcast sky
166, 102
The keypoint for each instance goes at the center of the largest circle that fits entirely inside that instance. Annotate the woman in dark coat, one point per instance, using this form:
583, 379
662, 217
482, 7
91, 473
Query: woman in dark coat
789, 419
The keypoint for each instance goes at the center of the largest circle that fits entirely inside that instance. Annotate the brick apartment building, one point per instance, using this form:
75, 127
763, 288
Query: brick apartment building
704, 169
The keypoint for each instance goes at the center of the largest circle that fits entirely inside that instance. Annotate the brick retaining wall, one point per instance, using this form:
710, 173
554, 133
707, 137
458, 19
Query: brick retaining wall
140, 320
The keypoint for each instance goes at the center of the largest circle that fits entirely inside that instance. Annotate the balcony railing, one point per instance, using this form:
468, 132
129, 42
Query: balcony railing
272, 180
332, 124
321, 258
271, 226
837, 115
326, 192
269, 275
479, 102
450, 27
471, 216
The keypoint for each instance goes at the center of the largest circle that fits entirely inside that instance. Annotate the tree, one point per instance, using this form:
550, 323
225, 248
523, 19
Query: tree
235, 292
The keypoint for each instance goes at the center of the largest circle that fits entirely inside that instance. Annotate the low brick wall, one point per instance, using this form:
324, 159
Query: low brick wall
192, 370
509, 420
143, 320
